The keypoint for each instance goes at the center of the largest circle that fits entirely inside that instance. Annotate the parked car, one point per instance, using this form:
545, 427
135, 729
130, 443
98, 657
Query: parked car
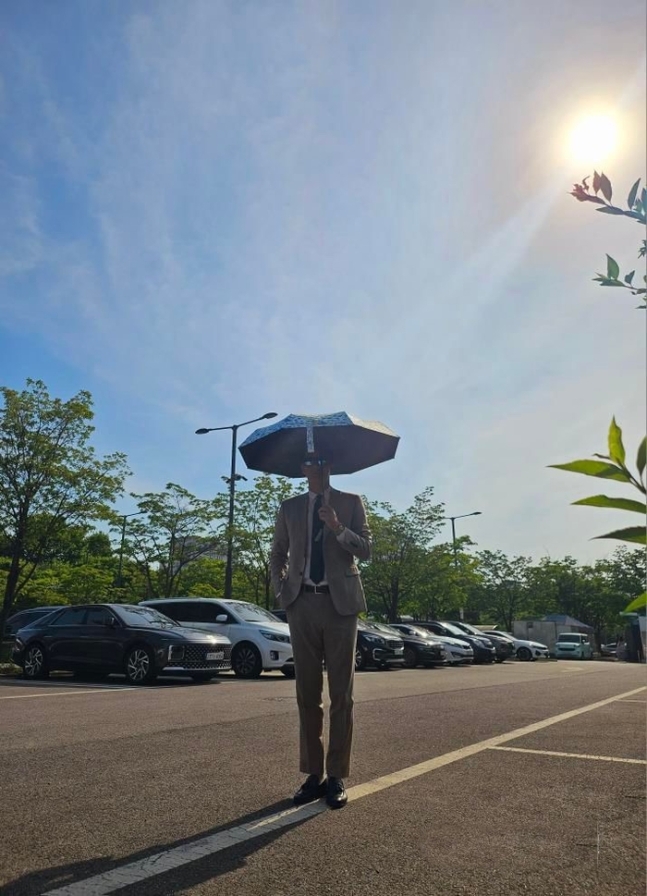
376, 647
484, 651
260, 643
457, 653
610, 649
504, 649
137, 641
373, 648
524, 650
573, 645
418, 649
26, 617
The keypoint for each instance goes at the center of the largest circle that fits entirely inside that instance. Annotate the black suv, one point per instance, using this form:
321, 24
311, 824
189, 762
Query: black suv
503, 646
136, 641
418, 650
26, 617
484, 651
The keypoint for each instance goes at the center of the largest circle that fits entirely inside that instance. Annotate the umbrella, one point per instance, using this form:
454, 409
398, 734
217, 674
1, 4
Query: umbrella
346, 442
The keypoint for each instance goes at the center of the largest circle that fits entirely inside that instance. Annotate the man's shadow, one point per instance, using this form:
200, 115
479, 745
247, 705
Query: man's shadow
166, 883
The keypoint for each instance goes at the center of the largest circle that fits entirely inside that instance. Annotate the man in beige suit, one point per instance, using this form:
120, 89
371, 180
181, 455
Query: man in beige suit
316, 580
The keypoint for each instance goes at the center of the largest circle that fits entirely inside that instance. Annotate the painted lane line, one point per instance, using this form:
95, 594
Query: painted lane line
642, 702
69, 693
571, 755
133, 872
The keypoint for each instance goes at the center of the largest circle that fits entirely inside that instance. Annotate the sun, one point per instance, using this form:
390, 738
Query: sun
593, 139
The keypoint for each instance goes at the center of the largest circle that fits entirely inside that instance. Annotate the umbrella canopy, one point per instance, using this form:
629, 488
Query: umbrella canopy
346, 442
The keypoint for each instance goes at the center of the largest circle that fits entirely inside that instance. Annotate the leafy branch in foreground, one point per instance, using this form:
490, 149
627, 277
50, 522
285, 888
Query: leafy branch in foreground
636, 209
613, 466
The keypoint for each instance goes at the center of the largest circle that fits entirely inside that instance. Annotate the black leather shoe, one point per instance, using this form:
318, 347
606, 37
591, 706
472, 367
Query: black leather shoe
336, 795
310, 791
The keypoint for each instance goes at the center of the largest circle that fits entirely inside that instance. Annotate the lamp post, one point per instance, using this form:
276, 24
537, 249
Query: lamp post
460, 517
453, 519
232, 486
124, 517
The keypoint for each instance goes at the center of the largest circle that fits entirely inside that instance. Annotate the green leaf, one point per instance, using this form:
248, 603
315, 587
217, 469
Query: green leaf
613, 504
596, 182
637, 603
641, 457
605, 187
631, 198
633, 534
629, 277
594, 468
616, 448
613, 268
611, 210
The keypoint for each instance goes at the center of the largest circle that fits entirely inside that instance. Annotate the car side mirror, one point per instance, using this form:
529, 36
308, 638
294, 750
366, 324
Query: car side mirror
221, 617
111, 623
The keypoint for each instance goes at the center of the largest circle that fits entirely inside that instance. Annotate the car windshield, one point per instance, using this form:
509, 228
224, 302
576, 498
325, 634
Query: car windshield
500, 635
453, 629
144, 616
471, 629
420, 632
250, 612
571, 639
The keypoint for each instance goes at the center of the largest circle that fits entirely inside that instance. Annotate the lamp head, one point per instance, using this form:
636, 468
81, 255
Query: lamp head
269, 416
201, 432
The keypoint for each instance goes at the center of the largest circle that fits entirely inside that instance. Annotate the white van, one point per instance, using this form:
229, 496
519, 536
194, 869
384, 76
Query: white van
573, 645
260, 642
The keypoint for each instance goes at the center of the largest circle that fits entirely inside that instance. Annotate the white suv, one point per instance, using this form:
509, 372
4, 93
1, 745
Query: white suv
260, 642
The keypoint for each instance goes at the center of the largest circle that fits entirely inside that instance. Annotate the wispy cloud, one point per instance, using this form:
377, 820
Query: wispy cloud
256, 207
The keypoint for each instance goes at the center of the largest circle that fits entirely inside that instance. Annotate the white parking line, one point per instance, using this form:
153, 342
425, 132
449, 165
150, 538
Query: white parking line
69, 693
160, 862
571, 755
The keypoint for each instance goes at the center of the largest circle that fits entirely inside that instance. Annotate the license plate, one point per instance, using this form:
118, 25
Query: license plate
216, 655
399, 651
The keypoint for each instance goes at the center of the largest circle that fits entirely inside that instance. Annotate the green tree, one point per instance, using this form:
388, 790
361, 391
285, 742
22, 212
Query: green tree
501, 594
50, 475
256, 511
396, 571
174, 530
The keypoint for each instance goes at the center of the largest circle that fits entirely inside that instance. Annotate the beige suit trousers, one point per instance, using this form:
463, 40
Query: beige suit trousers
318, 632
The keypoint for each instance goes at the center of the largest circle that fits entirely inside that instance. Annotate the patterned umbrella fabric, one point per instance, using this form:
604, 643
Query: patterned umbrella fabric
346, 442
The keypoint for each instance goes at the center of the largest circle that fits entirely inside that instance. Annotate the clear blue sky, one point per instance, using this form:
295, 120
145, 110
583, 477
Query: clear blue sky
214, 209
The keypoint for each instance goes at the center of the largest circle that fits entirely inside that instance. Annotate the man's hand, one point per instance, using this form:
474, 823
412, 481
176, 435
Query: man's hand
329, 517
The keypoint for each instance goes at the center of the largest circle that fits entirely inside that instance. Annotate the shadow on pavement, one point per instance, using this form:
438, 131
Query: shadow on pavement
39, 883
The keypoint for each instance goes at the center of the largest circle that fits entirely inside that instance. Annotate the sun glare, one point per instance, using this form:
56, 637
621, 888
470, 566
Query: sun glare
593, 139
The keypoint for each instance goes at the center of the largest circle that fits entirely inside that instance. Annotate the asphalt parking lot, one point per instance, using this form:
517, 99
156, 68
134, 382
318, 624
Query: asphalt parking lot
518, 778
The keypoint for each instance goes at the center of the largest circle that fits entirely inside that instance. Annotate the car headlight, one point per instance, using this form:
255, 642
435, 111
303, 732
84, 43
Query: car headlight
17, 643
176, 652
273, 636
375, 639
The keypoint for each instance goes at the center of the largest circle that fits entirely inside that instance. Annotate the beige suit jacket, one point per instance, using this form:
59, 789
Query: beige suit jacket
288, 555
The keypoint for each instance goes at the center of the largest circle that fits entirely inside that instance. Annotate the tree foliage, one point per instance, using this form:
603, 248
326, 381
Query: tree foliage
50, 478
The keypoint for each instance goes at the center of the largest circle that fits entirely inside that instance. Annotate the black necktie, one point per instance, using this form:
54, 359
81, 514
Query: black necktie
316, 544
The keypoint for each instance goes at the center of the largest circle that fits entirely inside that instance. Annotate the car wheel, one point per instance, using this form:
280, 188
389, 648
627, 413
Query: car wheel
246, 661
139, 667
410, 658
34, 664
524, 654
360, 660
288, 671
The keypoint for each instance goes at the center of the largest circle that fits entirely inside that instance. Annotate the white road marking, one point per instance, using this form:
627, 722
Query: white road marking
160, 862
642, 702
70, 693
571, 755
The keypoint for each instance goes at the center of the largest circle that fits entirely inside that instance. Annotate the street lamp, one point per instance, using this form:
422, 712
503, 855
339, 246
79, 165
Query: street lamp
453, 519
124, 517
460, 517
232, 486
